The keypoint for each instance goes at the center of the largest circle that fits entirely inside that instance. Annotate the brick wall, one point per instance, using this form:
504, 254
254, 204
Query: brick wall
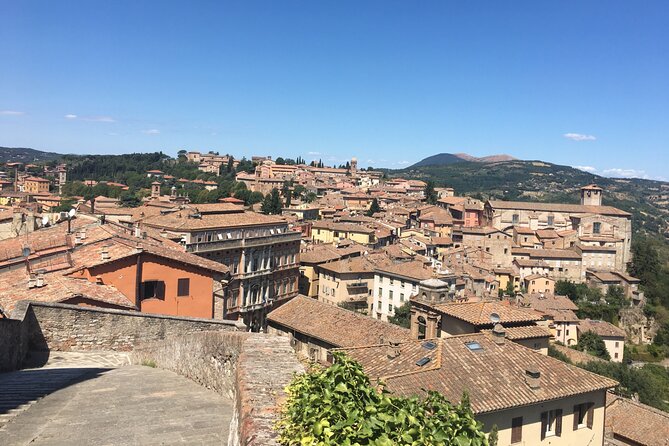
251, 368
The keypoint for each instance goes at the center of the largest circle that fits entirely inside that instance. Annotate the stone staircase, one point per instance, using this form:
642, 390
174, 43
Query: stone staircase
22, 388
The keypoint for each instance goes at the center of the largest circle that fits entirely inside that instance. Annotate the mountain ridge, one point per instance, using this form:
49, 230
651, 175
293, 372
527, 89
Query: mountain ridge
442, 159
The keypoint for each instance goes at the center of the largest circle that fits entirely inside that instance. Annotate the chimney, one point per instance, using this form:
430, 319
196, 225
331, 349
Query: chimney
104, 254
498, 334
533, 377
40, 280
83, 234
139, 248
77, 239
394, 349
32, 282
98, 280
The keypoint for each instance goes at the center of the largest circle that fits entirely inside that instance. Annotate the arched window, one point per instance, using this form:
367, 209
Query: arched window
422, 327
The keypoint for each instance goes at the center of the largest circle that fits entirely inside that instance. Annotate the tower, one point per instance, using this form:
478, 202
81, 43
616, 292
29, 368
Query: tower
591, 195
354, 164
155, 190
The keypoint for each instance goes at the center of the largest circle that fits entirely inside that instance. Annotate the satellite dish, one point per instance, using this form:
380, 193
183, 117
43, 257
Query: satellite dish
72, 213
494, 318
26, 251
45, 220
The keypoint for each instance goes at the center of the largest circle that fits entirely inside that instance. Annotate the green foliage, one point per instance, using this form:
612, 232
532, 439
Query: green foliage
431, 195
339, 406
662, 335
64, 206
555, 353
310, 197
593, 344
373, 208
650, 382
493, 437
402, 316
272, 205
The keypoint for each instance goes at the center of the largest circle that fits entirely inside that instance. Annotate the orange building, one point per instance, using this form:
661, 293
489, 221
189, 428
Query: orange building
35, 185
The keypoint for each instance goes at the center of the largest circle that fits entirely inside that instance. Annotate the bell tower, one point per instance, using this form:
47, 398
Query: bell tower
591, 195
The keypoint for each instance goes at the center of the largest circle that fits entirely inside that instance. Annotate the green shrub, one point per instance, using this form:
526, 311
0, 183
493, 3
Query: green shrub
339, 406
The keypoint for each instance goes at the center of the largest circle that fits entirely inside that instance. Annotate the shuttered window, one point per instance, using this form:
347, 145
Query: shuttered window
517, 430
591, 415
183, 287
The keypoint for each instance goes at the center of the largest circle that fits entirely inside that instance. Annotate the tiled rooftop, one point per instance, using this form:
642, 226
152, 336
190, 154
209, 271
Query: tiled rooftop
636, 422
334, 325
493, 375
478, 313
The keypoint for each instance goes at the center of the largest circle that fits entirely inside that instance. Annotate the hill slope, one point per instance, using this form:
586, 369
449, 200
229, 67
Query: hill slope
25, 155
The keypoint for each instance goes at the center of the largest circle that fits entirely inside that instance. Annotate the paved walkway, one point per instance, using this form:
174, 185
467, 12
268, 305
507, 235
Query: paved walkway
84, 403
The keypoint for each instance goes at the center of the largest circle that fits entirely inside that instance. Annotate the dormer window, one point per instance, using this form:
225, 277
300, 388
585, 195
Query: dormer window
596, 227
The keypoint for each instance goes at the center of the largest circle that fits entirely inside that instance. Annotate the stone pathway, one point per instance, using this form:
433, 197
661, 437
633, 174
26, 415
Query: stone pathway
89, 404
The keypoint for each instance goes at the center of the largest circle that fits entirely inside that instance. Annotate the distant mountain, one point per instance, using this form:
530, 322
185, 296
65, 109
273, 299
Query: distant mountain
444, 159
25, 155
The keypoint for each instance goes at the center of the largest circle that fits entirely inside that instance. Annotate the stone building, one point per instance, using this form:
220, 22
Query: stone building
590, 219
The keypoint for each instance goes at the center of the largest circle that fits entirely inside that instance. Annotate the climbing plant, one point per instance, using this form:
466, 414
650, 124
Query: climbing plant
339, 406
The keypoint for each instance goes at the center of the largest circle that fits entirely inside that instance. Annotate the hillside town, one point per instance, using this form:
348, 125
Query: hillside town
427, 289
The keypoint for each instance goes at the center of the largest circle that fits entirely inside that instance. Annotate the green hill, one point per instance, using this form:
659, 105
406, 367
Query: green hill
26, 155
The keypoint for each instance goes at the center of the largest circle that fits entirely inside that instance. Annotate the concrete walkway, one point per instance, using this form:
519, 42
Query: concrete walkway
127, 405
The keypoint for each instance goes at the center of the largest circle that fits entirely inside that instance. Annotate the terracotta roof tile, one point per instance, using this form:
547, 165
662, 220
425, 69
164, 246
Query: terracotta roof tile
637, 422
334, 325
493, 376
478, 313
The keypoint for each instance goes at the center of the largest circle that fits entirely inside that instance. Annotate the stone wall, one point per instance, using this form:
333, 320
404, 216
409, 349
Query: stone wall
252, 369
13, 344
41, 326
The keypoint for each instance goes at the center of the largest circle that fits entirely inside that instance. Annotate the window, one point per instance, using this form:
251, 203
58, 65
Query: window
617, 344
596, 227
152, 289
401, 297
551, 423
583, 415
380, 292
390, 294
379, 305
515, 219
391, 281
183, 287
517, 430
551, 220
390, 308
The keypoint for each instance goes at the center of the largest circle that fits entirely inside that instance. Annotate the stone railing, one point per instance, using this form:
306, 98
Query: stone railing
251, 368
41, 326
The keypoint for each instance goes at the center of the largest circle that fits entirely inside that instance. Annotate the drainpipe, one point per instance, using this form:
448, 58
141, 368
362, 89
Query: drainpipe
138, 282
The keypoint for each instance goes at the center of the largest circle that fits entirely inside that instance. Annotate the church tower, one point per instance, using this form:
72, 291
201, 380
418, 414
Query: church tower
591, 195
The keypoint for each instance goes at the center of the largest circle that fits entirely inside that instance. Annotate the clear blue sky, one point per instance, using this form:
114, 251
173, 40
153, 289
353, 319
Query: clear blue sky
388, 82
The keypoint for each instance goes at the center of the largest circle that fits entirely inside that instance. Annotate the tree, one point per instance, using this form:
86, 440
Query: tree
645, 261
310, 197
430, 194
373, 208
231, 164
280, 160
590, 342
271, 205
566, 288
402, 316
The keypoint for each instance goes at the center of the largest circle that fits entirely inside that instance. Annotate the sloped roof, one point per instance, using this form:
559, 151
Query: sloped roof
637, 422
558, 207
478, 313
333, 325
493, 376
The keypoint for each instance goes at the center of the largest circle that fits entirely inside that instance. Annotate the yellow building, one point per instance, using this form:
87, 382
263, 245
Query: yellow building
332, 232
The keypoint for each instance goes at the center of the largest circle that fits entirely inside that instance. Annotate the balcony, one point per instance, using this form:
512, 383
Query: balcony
247, 242
357, 288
